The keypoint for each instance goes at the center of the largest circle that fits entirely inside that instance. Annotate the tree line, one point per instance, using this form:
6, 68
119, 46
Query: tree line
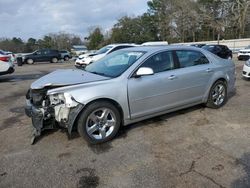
54, 40
180, 21
165, 20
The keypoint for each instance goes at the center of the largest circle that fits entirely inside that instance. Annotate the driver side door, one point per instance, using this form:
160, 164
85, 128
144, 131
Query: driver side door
154, 93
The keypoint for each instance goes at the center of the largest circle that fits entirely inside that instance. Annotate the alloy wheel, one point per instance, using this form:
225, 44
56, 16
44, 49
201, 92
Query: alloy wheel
101, 123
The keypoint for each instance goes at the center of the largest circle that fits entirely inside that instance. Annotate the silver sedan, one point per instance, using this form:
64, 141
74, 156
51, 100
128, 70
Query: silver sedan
128, 86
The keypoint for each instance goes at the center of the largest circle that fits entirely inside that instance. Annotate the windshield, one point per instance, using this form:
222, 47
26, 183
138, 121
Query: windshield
103, 50
114, 64
248, 47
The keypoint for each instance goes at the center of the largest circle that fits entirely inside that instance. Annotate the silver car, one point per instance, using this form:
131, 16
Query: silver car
128, 86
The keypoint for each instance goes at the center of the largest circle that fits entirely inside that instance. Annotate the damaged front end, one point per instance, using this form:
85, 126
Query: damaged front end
49, 111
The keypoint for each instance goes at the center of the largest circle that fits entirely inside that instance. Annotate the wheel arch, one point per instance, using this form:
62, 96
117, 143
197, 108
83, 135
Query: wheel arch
211, 85
115, 103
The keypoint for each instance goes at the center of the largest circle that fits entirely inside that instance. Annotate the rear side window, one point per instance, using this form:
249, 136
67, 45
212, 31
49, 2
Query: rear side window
224, 47
191, 58
160, 62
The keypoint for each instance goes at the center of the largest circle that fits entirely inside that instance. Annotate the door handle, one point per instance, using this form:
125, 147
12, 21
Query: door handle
209, 70
172, 77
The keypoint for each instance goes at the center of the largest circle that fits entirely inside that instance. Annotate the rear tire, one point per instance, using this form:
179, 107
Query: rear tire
217, 95
54, 60
99, 122
66, 58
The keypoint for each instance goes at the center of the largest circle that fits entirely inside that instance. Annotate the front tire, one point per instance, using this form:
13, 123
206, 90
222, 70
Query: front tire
99, 122
30, 61
217, 95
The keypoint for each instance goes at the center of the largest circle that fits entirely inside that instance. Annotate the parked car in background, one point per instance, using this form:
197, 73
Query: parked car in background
80, 59
246, 69
6, 65
12, 56
155, 43
244, 54
79, 49
65, 55
198, 45
219, 50
128, 86
90, 58
42, 55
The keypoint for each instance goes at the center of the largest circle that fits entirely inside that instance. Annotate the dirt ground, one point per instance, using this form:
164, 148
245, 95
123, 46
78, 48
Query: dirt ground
195, 147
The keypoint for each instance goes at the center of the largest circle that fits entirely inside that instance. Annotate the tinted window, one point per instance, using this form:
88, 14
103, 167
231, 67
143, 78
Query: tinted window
224, 47
191, 58
160, 62
39, 52
64, 52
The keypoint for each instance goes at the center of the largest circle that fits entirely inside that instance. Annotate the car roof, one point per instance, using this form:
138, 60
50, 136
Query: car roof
152, 49
123, 44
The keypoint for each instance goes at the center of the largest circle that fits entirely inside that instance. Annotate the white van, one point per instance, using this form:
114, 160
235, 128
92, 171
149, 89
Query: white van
155, 43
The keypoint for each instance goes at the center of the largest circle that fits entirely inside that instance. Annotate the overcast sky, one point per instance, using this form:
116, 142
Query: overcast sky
35, 18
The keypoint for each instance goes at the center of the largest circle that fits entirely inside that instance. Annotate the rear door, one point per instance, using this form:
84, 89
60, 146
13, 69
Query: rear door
193, 75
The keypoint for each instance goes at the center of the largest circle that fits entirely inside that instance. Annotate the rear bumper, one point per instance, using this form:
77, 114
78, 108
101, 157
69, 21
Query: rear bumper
9, 71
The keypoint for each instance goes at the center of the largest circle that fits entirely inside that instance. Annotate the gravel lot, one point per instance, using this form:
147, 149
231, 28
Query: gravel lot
195, 147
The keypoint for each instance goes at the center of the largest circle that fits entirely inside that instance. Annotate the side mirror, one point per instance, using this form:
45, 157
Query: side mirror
144, 71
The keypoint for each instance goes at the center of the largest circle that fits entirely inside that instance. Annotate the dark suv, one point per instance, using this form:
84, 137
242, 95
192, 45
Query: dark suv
219, 50
42, 55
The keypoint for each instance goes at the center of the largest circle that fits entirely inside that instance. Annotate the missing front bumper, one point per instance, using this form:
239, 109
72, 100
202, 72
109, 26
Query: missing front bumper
44, 119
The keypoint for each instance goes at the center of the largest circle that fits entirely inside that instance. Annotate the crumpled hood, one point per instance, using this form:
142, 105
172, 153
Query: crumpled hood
66, 77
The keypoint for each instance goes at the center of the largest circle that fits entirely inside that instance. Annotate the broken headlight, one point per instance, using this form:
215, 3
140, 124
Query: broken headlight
57, 99
63, 98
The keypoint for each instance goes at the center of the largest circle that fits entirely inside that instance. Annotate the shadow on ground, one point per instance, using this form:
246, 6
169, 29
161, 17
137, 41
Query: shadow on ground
158, 120
18, 78
243, 182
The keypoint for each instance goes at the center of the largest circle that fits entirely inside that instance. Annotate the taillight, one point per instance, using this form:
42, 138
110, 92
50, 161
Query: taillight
5, 59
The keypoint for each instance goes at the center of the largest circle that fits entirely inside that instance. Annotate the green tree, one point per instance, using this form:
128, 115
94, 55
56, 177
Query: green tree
31, 45
95, 39
134, 30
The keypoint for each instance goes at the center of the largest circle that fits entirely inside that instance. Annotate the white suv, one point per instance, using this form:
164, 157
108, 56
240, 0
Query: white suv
6, 65
90, 58
244, 54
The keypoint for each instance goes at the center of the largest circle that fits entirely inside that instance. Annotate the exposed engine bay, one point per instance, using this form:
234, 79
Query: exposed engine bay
50, 111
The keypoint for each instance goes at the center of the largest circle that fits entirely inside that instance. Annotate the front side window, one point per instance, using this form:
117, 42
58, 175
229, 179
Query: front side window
160, 62
191, 58
114, 64
39, 52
